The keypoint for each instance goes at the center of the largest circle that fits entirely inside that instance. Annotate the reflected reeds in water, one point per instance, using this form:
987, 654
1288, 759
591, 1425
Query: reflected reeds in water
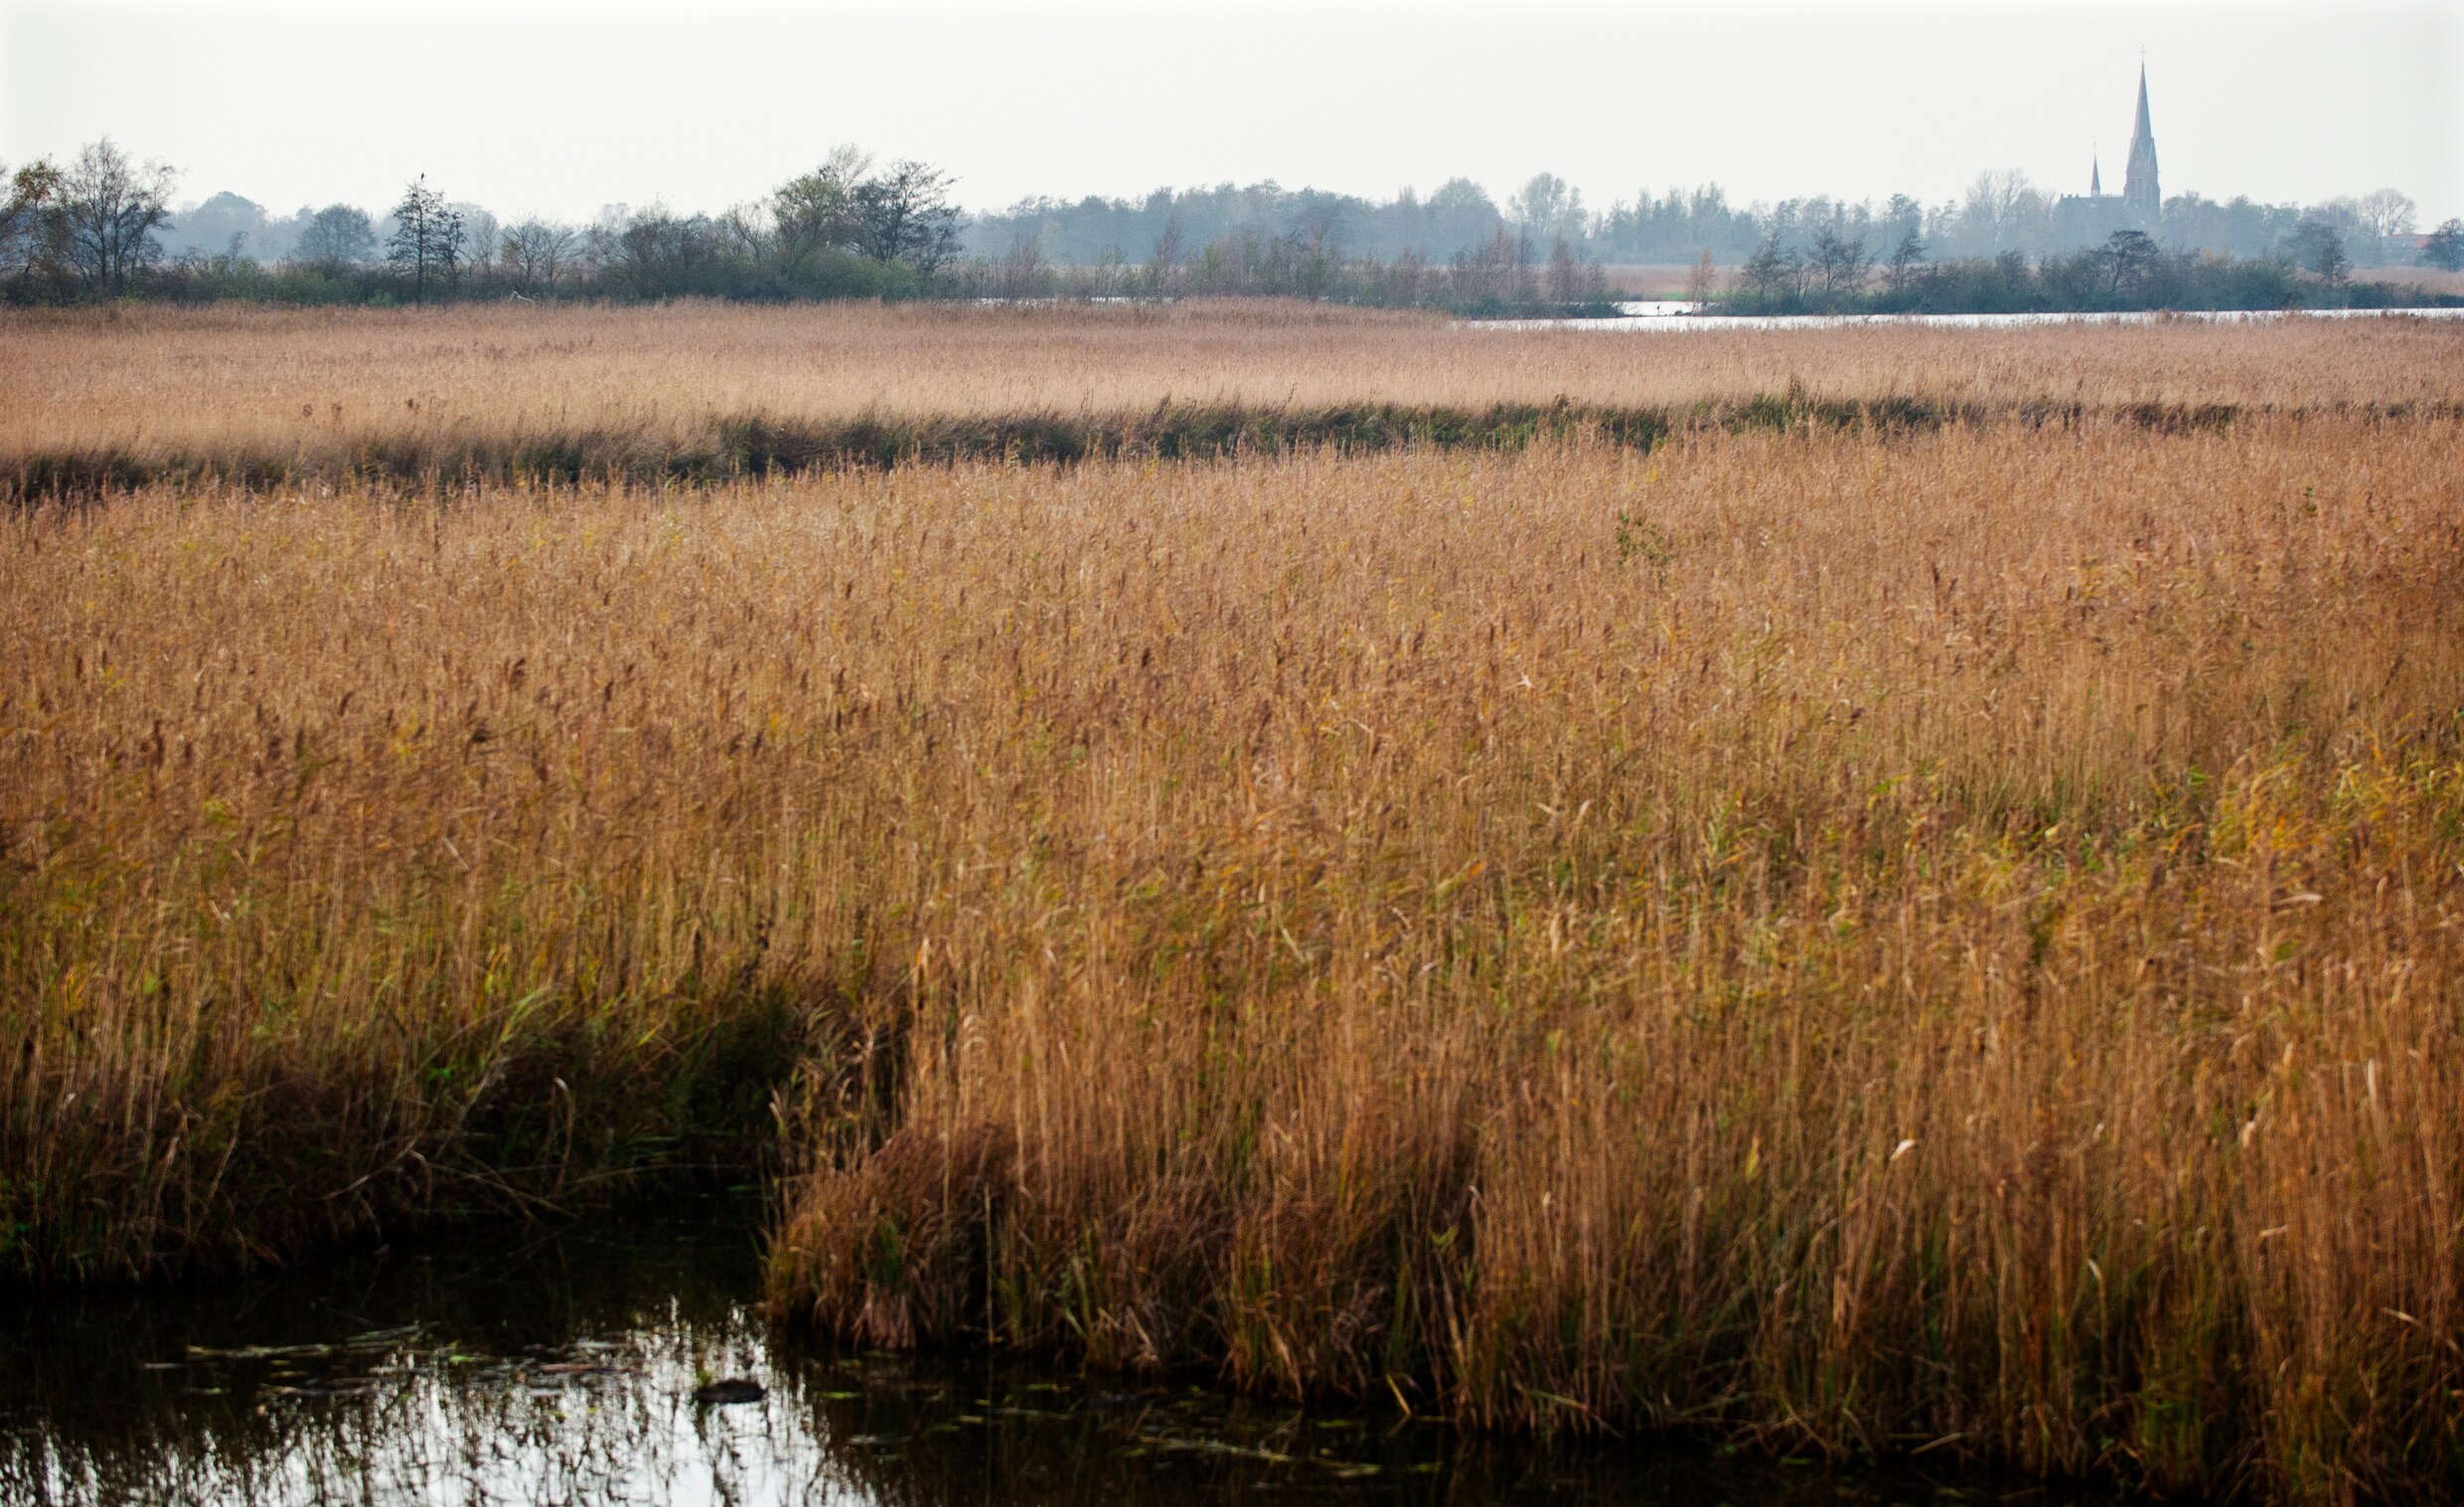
562, 1370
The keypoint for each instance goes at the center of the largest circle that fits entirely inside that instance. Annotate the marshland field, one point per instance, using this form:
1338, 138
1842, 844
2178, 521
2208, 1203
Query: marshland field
1856, 892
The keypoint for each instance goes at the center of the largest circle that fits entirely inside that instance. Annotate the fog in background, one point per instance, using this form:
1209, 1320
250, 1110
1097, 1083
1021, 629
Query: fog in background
563, 109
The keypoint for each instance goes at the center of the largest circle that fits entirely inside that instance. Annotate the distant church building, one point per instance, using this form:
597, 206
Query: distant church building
2094, 214
2139, 180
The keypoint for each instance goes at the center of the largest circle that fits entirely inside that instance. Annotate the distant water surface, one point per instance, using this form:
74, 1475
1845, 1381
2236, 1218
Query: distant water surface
1663, 315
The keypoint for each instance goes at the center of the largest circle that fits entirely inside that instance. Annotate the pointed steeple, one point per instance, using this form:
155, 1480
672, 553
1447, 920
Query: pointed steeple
2096, 178
2139, 189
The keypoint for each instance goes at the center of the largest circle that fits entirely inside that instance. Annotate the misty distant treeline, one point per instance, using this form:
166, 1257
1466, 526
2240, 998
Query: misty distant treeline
2129, 270
2000, 211
104, 226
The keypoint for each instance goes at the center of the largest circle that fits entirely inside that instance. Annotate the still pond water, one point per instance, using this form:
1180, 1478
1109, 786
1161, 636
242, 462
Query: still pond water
559, 1368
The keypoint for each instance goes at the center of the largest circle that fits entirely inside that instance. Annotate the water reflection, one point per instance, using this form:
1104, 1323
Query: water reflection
562, 1370
1674, 316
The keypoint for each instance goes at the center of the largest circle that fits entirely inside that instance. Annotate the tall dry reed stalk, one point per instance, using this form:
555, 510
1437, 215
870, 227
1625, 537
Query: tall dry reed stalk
1942, 940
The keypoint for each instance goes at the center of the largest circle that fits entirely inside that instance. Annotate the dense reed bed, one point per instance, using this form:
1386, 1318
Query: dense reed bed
1886, 940
1940, 944
507, 394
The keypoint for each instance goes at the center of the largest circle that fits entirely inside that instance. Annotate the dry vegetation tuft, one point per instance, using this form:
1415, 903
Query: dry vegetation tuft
1948, 939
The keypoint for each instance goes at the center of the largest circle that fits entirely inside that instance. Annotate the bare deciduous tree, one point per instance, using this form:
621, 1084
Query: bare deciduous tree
1168, 251
482, 237
1840, 261
110, 213
657, 252
744, 233
1899, 269
1549, 208
905, 215
2387, 212
1702, 281
1020, 272
536, 250
2001, 207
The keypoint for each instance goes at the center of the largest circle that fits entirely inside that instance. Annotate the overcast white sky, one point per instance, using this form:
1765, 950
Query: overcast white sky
561, 108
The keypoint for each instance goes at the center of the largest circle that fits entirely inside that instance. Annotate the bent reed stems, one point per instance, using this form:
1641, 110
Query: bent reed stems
1878, 938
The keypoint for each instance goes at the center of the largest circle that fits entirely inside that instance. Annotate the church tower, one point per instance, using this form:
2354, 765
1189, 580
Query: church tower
2139, 192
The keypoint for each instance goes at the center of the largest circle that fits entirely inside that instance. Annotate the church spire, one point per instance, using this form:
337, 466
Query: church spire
2139, 191
2096, 178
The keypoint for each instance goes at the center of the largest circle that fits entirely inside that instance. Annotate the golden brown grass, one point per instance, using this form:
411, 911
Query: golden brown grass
229, 388
1946, 942
1950, 939
1348, 920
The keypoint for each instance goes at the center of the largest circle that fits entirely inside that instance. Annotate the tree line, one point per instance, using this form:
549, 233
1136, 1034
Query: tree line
2129, 270
1835, 268
1998, 213
101, 225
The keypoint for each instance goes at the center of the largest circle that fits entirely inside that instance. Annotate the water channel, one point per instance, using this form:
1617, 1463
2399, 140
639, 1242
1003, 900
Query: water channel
559, 1367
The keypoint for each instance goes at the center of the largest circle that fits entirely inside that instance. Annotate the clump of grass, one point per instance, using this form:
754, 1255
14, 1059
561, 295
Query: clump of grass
1955, 943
